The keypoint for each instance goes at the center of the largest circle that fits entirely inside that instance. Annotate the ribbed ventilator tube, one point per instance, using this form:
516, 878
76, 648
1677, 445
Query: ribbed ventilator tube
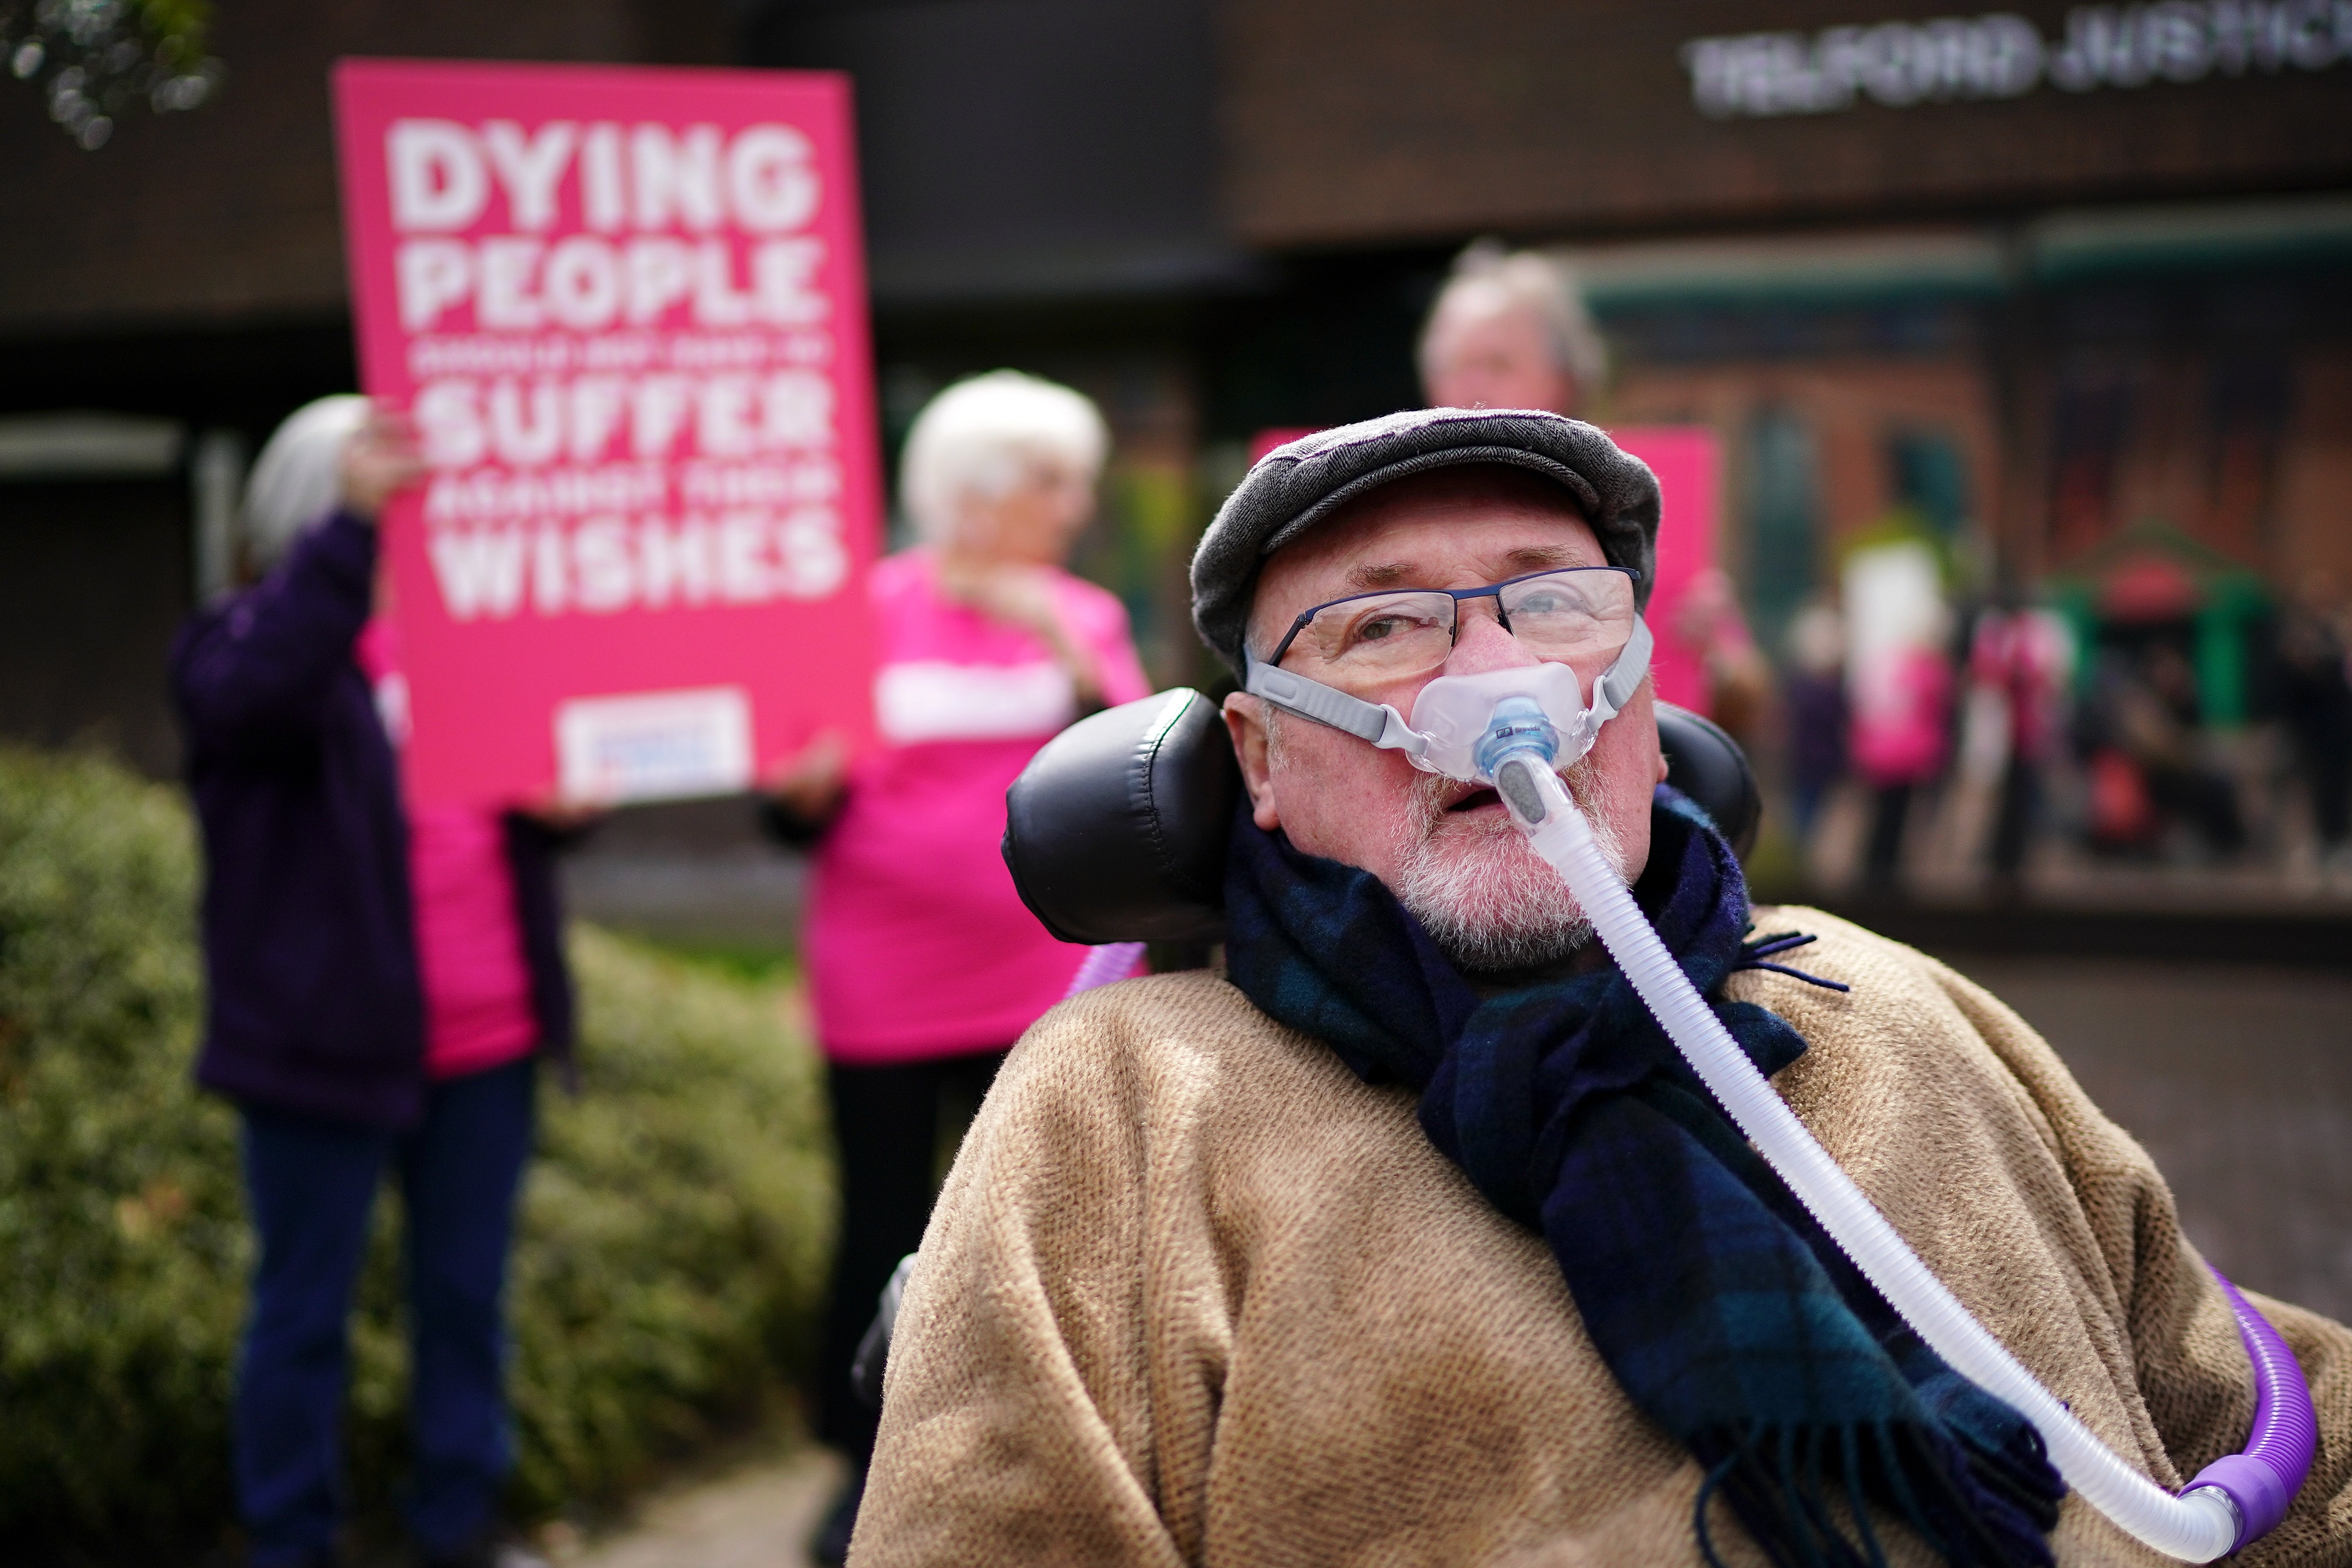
2198, 1526
2263, 1479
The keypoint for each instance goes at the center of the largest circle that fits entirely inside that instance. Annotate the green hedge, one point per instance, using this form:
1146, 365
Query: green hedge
675, 1223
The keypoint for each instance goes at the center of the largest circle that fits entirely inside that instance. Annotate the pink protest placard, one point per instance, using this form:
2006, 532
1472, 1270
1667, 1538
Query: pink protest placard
1686, 459
626, 308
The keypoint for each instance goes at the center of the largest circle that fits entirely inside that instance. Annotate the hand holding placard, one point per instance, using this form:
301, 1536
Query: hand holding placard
383, 457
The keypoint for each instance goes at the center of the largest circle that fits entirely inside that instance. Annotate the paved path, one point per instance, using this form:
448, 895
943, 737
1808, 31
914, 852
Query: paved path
760, 1514
2238, 1080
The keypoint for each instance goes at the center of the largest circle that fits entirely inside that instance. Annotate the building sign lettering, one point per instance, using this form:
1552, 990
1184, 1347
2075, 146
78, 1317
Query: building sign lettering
1899, 64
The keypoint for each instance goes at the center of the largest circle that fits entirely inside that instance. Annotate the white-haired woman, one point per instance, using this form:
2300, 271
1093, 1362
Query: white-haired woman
380, 981
923, 964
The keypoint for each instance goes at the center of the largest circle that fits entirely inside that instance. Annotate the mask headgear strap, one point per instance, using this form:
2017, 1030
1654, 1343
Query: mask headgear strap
1384, 726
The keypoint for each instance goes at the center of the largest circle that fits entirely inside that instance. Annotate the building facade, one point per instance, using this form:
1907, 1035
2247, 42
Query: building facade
2054, 283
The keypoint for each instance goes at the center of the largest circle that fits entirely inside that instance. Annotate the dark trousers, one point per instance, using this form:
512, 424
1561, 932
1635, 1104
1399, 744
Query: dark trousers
2012, 830
2327, 759
889, 1123
311, 1184
1883, 860
2206, 801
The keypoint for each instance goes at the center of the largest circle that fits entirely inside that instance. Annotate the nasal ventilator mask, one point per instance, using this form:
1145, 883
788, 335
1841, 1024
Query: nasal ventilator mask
1515, 728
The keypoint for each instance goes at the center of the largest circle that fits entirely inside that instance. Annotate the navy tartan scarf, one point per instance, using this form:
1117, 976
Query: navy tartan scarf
1726, 1314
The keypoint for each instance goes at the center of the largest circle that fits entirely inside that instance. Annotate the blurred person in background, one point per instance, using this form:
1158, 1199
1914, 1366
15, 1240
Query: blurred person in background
2152, 788
1899, 683
2315, 700
1706, 620
2121, 817
923, 964
380, 982
1510, 330
2166, 733
2021, 660
1814, 691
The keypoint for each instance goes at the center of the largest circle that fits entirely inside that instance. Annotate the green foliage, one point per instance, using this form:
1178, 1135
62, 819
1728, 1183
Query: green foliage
678, 1224
754, 962
120, 1241
95, 59
674, 1232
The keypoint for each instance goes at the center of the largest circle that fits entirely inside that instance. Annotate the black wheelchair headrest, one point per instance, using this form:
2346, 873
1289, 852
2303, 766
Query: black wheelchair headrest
1115, 831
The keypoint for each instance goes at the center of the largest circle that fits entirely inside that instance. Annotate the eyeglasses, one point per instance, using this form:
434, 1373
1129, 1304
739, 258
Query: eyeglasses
1570, 616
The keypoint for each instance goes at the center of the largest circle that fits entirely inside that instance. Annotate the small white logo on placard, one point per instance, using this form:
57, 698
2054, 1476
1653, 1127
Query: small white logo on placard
656, 745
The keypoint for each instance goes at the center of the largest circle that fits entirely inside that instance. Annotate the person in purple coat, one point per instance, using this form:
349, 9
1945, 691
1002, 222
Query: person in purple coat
380, 984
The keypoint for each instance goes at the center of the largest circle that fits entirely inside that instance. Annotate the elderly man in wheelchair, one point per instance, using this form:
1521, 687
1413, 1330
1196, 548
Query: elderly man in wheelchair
1515, 1192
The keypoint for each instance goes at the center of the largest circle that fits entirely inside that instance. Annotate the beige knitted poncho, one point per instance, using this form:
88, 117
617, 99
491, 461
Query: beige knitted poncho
1194, 1293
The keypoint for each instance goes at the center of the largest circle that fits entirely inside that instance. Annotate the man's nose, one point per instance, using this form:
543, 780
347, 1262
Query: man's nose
1480, 643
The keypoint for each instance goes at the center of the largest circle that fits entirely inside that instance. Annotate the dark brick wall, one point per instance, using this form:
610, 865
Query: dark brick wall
1353, 120
93, 580
1022, 150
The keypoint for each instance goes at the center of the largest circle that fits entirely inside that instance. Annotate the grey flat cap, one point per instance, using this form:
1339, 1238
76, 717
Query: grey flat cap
1292, 488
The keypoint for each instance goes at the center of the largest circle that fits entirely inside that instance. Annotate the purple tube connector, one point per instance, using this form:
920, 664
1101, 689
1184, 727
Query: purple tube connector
2262, 1482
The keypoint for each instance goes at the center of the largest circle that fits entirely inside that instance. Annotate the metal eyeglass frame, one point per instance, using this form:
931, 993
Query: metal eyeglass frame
1491, 591
1380, 725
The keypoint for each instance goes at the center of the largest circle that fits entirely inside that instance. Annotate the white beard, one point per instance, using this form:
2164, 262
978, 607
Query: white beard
1476, 885
1481, 891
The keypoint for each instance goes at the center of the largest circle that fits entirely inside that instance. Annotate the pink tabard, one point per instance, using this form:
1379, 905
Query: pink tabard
918, 945
478, 1008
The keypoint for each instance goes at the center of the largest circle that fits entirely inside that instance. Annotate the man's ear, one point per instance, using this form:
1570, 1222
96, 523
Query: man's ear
1246, 721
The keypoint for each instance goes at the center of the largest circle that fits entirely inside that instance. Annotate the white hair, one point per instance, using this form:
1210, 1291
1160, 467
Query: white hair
1486, 272
974, 438
297, 478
